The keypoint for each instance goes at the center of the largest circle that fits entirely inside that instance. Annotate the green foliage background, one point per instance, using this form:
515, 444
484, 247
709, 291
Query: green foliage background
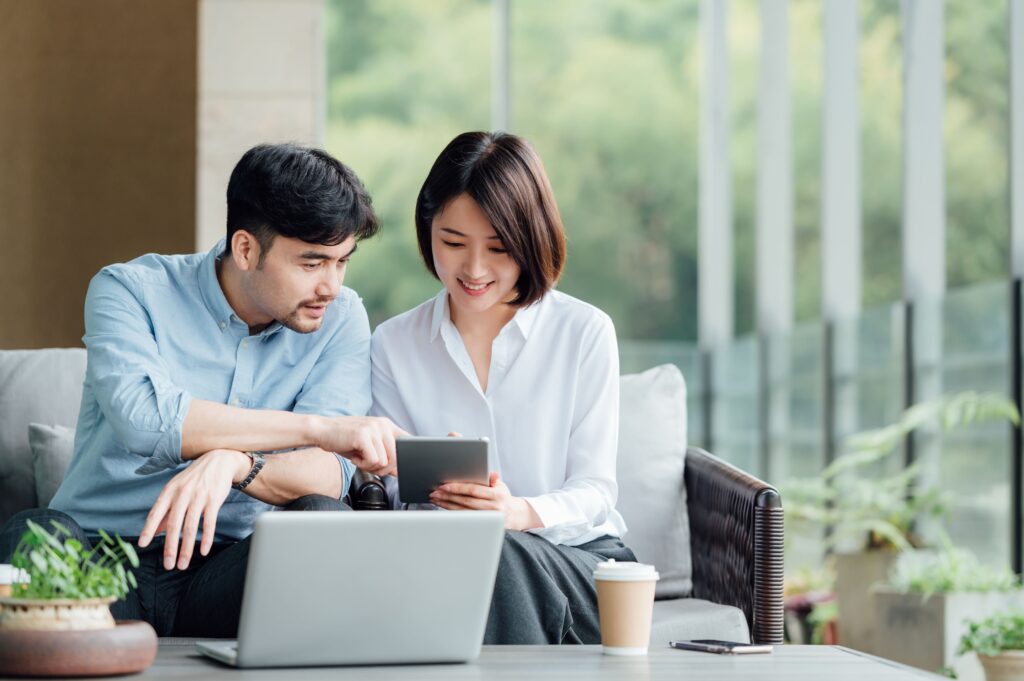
608, 91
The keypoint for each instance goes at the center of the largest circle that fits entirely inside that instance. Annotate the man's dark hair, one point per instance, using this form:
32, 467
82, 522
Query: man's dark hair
505, 177
297, 192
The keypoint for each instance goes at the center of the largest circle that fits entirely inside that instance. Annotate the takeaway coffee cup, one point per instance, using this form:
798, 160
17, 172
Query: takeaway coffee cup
625, 603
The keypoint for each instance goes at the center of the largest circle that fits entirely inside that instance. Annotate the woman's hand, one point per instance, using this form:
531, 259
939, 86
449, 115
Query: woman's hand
494, 496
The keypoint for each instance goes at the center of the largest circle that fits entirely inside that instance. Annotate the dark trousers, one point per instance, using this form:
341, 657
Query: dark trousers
203, 600
544, 592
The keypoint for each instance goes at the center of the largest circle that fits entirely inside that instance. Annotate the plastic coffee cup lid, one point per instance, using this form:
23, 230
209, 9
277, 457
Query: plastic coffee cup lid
625, 571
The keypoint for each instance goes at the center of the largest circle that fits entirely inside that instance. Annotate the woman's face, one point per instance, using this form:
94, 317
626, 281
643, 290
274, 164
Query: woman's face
470, 259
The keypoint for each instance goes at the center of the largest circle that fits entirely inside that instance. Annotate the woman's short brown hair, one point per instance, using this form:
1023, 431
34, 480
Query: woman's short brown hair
506, 178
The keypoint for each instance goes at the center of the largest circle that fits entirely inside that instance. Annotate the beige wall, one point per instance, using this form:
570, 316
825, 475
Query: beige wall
97, 151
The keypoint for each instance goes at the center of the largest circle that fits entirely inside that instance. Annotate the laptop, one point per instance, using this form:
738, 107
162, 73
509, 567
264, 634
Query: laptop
349, 588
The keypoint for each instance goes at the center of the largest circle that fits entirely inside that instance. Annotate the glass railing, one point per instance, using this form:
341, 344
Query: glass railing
783, 406
735, 404
637, 356
962, 343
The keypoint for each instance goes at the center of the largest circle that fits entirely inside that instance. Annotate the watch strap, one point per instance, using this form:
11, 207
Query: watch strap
257, 465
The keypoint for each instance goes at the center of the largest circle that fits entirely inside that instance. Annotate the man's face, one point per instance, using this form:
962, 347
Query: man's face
297, 281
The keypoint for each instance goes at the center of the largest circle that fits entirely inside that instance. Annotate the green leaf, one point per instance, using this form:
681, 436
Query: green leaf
129, 551
62, 569
39, 561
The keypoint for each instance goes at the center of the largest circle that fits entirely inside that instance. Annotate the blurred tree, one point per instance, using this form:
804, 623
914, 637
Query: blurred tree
608, 92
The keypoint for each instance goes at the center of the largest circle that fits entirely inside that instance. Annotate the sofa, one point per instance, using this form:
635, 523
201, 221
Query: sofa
713, 532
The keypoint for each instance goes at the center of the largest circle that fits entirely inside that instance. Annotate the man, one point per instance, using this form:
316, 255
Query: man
244, 367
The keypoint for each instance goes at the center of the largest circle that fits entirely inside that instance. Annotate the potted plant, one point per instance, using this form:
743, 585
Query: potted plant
870, 515
920, 614
809, 604
57, 620
998, 642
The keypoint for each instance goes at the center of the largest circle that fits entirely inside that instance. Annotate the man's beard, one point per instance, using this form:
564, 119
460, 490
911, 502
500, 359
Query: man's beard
295, 322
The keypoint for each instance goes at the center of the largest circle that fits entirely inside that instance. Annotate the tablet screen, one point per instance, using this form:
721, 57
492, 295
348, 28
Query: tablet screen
424, 463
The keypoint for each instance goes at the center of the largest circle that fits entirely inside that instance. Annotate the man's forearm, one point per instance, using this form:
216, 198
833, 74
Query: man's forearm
289, 475
210, 425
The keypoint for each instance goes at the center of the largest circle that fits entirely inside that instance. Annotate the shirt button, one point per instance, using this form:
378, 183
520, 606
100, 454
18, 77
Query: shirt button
245, 344
223, 325
235, 401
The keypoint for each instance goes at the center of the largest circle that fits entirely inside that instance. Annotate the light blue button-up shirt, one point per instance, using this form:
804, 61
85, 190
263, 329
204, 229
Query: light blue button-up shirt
160, 333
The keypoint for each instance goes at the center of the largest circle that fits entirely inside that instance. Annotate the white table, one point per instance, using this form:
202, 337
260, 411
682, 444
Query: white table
179, 660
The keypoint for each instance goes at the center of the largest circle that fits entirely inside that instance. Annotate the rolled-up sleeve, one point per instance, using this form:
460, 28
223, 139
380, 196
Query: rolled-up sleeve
339, 383
590, 491
131, 382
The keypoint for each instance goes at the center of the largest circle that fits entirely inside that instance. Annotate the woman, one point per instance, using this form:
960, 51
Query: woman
499, 354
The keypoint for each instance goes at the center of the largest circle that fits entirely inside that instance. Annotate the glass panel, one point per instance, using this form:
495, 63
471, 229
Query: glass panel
795, 403
881, 111
970, 353
626, 183
637, 356
736, 425
404, 78
868, 376
977, 141
868, 388
795, 423
976, 459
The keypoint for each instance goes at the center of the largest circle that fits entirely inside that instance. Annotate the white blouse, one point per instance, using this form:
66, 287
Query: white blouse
551, 409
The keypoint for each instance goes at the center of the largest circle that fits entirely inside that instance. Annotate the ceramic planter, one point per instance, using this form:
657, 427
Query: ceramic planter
856, 576
1006, 666
27, 614
66, 637
925, 632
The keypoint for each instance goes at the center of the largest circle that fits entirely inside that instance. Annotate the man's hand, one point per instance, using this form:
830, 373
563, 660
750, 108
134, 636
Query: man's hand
198, 491
494, 496
366, 441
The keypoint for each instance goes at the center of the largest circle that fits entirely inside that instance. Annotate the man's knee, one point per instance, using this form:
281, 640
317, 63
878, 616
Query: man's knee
317, 502
15, 527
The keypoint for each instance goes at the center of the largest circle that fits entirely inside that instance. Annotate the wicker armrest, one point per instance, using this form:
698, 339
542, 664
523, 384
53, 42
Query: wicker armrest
736, 541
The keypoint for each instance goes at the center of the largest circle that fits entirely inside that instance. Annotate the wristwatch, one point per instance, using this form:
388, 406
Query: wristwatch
257, 466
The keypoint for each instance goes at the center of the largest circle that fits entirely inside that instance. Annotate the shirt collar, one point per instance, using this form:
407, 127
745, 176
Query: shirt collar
213, 294
210, 288
440, 312
523, 319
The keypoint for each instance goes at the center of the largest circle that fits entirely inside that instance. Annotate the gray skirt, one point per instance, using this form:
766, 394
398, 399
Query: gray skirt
544, 593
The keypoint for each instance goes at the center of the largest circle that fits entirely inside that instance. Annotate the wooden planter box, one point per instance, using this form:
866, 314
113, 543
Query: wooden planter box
925, 632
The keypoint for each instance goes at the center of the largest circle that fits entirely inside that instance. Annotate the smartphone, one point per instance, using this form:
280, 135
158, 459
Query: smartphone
706, 645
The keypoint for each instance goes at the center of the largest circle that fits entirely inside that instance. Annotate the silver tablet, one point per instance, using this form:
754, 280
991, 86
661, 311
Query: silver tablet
424, 463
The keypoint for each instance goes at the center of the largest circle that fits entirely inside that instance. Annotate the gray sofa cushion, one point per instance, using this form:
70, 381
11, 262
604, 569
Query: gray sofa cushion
689, 618
652, 492
52, 448
42, 386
